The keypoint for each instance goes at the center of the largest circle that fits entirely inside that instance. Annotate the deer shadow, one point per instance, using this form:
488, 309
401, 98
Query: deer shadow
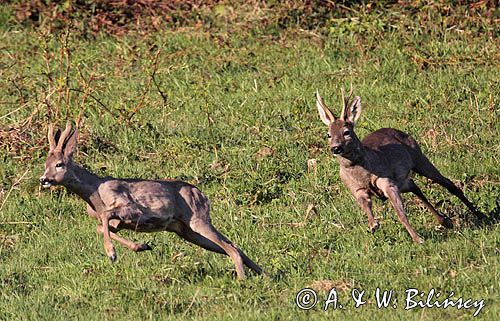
491, 218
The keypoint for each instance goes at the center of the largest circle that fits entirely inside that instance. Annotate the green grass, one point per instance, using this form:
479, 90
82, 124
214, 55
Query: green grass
228, 97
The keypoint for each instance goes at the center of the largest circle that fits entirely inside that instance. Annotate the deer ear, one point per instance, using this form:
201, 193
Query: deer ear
56, 136
355, 110
70, 145
324, 113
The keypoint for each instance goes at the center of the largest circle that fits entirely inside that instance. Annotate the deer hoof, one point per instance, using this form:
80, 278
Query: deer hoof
447, 222
112, 258
143, 247
375, 225
417, 239
480, 215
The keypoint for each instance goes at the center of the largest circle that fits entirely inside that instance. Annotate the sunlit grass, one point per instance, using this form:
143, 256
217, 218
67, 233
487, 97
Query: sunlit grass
238, 120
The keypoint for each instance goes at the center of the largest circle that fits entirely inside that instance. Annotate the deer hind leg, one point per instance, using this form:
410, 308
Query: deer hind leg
129, 244
207, 230
391, 191
191, 236
443, 220
365, 202
425, 168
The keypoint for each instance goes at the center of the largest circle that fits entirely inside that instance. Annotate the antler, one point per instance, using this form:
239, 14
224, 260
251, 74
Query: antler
64, 135
50, 136
345, 103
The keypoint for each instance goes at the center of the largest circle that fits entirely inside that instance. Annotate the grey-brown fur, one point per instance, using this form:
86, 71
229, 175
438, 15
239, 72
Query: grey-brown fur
136, 204
381, 164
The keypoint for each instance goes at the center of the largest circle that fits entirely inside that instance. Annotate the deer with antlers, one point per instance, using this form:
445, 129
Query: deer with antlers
137, 204
381, 164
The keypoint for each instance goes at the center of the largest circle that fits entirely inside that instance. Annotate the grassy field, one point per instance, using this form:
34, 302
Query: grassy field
232, 111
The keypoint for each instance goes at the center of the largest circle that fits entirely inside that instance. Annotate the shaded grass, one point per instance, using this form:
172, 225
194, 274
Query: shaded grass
226, 102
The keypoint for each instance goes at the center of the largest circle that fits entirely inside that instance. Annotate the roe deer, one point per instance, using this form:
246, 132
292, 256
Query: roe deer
381, 164
136, 204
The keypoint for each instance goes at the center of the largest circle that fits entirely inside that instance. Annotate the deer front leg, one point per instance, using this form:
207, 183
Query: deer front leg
106, 216
365, 202
391, 191
136, 247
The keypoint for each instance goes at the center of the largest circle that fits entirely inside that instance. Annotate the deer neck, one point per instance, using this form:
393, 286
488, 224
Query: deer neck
85, 184
355, 157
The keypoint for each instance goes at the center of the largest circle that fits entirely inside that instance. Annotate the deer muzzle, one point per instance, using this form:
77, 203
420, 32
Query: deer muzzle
45, 182
336, 150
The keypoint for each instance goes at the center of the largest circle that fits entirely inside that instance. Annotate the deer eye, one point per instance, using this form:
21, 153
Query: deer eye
59, 165
347, 133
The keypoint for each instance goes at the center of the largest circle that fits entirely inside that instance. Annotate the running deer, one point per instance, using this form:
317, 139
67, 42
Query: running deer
136, 204
381, 165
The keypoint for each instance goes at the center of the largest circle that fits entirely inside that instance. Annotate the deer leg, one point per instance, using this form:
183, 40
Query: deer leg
392, 192
365, 202
108, 245
129, 244
443, 220
198, 239
251, 264
453, 189
426, 168
206, 230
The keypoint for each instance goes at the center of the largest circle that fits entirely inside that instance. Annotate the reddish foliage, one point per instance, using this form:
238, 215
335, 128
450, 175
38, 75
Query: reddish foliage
115, 17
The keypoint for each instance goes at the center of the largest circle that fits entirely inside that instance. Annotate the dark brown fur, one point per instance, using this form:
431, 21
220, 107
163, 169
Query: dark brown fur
381, 164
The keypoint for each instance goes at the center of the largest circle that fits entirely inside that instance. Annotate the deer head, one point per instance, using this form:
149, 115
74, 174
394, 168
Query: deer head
341, 137
59, 160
